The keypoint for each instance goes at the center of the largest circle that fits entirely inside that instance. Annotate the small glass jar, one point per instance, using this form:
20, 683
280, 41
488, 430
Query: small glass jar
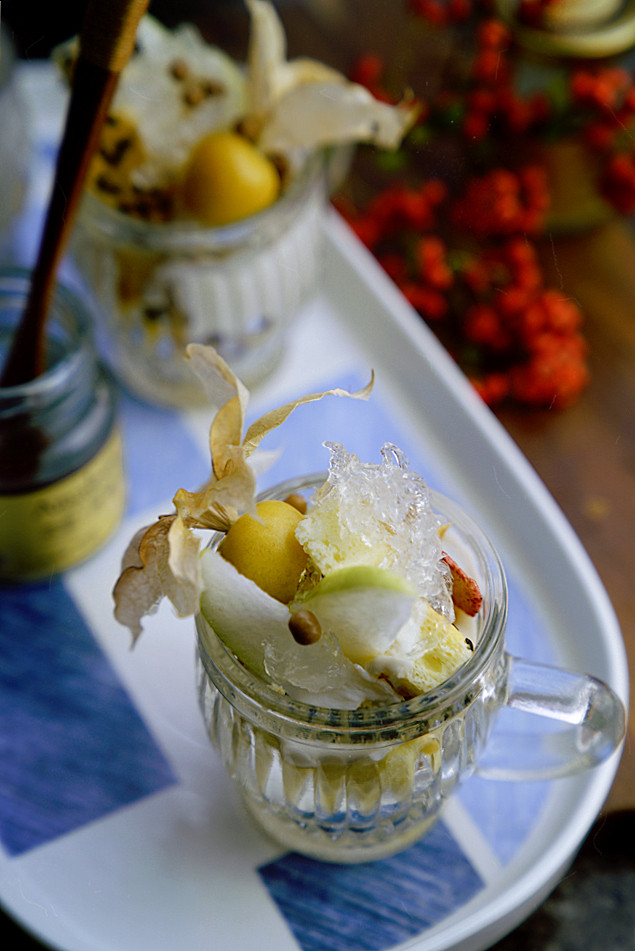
14, 146
61, 471
159, 286
351, 786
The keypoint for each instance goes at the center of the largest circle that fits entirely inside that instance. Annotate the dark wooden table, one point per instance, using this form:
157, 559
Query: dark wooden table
586, 454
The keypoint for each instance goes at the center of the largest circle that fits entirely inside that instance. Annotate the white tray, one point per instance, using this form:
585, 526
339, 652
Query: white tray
126, 839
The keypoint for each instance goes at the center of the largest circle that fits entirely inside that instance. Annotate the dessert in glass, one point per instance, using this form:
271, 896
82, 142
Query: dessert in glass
204, 210
351, 652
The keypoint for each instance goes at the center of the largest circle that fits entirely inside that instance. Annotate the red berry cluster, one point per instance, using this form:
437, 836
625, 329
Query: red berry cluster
531, 347
369, 71
440, 13
462, 249
486, 100
503, 202
532, 12
515, 338
605, 98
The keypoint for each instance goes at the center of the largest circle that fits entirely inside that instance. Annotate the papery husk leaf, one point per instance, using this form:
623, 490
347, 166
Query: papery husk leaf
304, 104
303, 70
163, 560
219, 380
225, 433
266, 53
140, 587
259, 429
269, 73
182, 582
131, 557
220, 502
318, 114
286, 76
228, 397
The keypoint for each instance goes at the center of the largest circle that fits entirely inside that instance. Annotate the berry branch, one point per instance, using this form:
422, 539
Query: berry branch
460, 237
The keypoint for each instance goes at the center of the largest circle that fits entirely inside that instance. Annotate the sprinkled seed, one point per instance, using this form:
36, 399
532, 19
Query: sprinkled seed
282, 165
144, 209
178, 69
193, 95
469, 643
305, 627
209, 87
116, 152
105, 185
249, 127
297, 501
153, 313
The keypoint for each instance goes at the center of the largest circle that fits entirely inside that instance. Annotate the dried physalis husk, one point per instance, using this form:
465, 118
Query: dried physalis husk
139, 587
258, 430
163, 560
303, 104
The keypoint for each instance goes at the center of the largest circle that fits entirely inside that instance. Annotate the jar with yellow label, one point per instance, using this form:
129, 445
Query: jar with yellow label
61, 472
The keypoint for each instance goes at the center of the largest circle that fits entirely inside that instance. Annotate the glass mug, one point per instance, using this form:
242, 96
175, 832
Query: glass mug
356, 785
158, 286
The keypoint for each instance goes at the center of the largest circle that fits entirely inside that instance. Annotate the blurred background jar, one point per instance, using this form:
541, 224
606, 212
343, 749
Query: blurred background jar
62, 488
577, 57
14, 142
158, 286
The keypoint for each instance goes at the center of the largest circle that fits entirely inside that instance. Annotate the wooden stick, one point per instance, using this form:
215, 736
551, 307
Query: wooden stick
106, 42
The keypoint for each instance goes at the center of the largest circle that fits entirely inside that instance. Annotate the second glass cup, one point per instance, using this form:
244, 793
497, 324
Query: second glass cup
159, 286
351, 786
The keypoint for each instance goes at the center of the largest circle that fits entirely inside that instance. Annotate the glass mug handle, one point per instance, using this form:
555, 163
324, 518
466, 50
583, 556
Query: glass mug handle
592, 715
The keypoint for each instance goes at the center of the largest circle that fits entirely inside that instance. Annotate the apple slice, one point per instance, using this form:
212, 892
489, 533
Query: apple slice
255, 627
364, 606
242, 614
427, 651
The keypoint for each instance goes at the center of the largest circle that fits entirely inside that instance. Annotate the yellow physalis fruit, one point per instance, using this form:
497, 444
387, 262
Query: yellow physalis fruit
266, 550
227, 178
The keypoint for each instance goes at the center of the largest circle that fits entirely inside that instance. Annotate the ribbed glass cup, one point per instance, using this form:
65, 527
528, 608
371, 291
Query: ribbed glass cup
356, 785
158, 286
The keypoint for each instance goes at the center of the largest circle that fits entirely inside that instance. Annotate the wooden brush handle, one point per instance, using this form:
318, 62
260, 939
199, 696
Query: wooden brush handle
108, 32
106, 42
